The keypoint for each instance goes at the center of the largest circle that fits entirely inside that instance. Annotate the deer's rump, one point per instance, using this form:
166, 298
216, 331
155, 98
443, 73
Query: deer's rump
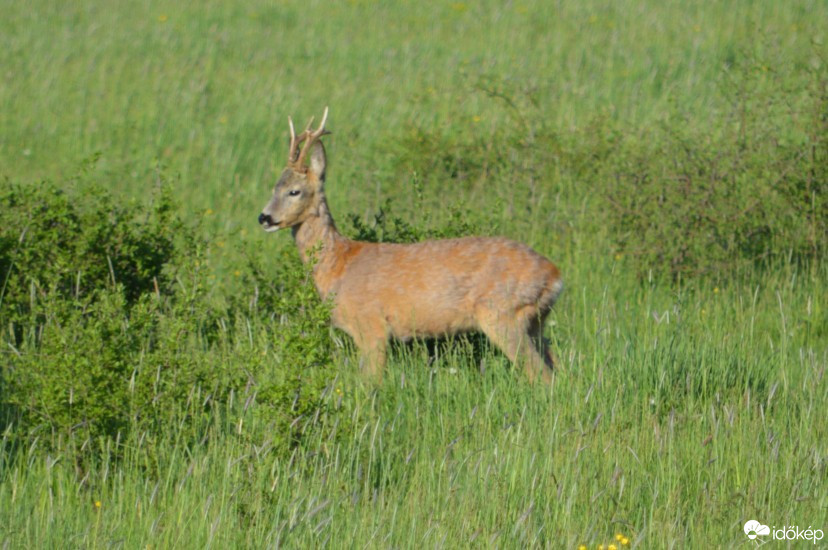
441, 287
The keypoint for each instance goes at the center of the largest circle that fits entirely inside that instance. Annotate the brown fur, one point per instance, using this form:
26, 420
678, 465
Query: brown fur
380, 291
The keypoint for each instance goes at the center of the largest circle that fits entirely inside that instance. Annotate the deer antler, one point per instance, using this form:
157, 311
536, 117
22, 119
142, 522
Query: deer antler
297, 160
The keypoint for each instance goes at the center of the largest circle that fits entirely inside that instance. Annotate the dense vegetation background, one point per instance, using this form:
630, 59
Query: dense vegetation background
167, 374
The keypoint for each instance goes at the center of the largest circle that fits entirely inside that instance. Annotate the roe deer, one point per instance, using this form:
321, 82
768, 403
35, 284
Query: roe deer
432, 288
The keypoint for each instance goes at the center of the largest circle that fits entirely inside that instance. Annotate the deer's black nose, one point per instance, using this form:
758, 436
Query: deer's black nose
265, 218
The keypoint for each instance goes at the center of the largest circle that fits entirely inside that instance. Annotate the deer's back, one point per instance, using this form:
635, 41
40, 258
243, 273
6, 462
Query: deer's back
438, 287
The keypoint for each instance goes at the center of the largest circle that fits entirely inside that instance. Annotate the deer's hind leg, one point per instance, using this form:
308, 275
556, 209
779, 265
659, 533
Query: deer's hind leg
540, 342
511, 335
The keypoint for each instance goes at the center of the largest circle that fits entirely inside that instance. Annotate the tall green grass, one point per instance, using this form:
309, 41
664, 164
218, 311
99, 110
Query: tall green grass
673, 431
684, 407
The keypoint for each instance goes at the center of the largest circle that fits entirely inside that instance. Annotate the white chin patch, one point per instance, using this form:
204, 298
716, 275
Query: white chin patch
271, 228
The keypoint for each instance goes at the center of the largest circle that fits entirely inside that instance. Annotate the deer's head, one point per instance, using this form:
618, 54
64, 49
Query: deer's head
299, 190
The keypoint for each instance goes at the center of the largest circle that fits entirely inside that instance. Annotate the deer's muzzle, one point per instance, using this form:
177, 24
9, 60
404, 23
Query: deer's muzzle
267, 223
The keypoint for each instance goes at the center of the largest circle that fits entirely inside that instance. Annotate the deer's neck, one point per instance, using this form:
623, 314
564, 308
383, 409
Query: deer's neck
320, 243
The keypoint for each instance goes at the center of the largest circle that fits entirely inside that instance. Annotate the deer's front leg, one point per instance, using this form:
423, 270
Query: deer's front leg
372, 341
373, 358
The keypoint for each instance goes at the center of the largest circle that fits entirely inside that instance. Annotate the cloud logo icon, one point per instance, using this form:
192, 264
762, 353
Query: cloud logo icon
755, 529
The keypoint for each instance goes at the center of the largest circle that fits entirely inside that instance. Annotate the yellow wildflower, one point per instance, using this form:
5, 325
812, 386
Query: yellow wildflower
163, 18
625, 541
618, 537
97, 504
612, 547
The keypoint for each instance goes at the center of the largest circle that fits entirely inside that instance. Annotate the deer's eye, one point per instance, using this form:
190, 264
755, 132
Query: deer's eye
294, 193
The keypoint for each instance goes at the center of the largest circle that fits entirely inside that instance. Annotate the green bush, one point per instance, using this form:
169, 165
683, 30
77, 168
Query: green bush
101, 306
678, 198
98, 367
685, 200
289, 387
113, 333
68, 241
388, 227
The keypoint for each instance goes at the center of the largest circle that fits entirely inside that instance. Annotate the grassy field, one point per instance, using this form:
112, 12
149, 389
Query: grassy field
688, 403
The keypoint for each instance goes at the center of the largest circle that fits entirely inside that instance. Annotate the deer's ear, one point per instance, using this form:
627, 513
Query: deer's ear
318, 161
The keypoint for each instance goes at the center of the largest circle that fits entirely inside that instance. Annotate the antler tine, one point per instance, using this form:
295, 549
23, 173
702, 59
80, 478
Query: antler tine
293, 142
309, 138
324, 120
